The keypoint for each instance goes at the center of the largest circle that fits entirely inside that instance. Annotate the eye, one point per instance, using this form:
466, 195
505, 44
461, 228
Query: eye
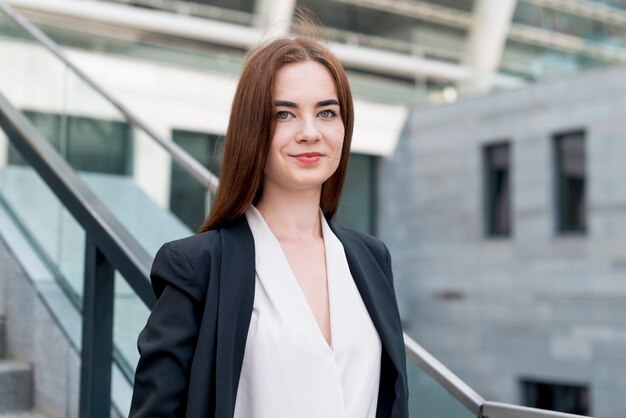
283, 114
327, 114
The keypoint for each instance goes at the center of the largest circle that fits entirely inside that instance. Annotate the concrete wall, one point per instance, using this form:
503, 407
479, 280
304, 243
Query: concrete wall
537, 305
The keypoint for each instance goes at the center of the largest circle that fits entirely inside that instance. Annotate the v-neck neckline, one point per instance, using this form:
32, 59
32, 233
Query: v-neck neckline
295, 284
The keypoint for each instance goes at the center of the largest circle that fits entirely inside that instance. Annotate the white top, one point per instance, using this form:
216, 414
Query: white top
289, 370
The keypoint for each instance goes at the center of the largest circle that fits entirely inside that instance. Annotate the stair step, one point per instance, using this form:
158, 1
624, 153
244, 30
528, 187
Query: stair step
16, 383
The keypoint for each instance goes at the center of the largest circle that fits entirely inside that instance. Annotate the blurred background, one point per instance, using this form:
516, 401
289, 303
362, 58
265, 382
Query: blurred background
488, 154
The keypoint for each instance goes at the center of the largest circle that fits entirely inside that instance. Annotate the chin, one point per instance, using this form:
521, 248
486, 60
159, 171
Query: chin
313, 181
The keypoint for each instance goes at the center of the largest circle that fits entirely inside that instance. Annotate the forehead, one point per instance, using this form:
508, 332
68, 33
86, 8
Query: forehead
308, 79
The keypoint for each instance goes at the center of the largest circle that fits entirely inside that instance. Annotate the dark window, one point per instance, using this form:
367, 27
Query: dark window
357, 209
570, 399
239, 5
570, 182
88, 144
188, 198
497, 163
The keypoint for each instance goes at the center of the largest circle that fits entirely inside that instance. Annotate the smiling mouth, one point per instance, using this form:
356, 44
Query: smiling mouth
308, 157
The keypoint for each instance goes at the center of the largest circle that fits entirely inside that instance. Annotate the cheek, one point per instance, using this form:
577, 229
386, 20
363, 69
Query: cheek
336, 139
281, 138
275, 160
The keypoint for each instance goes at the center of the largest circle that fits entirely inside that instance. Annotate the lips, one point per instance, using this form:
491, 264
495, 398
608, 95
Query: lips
308, 157
308, 154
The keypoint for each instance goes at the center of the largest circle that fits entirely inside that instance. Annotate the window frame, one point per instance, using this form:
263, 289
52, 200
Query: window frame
585, 388
489, 190
562, 228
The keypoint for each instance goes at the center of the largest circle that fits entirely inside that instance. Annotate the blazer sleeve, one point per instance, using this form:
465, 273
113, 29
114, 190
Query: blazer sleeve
167, 343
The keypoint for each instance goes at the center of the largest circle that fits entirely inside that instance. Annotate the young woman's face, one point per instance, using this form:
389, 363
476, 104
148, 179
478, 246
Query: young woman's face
308, 138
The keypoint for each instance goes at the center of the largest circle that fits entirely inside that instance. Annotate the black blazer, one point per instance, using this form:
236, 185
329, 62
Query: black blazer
193, 344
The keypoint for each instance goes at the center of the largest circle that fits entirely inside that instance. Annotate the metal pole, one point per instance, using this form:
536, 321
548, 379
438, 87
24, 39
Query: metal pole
97, 347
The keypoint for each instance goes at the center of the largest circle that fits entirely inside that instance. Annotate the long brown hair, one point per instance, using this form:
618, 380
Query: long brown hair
251, 127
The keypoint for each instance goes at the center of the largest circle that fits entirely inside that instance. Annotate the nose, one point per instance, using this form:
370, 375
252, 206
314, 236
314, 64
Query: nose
308, 131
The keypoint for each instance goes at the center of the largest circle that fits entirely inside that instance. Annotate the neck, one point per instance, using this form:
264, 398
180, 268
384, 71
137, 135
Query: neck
293, 216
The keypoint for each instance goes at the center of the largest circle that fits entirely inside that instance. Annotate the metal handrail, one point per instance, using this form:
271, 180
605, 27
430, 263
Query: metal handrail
108, 247
448, 380
189, 164
465, 394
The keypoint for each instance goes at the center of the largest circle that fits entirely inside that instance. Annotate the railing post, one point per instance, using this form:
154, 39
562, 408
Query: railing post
97, 347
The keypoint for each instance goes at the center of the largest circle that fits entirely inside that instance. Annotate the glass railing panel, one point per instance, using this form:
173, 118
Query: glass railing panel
31, 78
132, 174
130, 317
127, 169
60, 242
121, 163
34, 80
53, 232
427, 398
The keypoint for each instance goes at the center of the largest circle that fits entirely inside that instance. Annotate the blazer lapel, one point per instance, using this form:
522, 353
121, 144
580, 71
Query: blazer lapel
236, 300
377, 295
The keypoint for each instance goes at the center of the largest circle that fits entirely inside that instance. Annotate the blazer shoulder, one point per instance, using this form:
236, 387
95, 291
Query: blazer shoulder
186, 263
195, 247
373, 244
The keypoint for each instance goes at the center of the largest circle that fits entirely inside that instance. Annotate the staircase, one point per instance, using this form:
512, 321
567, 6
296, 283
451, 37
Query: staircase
16, 384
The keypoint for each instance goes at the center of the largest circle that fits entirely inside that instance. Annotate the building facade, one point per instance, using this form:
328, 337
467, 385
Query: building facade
506, 218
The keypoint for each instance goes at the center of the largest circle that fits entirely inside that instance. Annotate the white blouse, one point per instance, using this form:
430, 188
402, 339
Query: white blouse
289, 370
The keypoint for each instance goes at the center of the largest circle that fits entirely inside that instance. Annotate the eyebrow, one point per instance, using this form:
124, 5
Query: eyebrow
287, 103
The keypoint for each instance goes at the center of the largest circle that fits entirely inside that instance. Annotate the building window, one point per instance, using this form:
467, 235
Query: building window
358, 201
569, 399
570, 182
88, 144
188, 198
497, 166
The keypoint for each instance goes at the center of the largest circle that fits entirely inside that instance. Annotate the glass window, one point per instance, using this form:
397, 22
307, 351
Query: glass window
187, 196
620, 4
572, 399
570, 182
463, 5
357, 209
88, 144
206, 8
241, 5
375, 25
497, 177
98, 146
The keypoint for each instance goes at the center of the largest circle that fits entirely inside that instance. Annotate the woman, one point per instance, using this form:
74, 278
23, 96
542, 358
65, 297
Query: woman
272, 310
